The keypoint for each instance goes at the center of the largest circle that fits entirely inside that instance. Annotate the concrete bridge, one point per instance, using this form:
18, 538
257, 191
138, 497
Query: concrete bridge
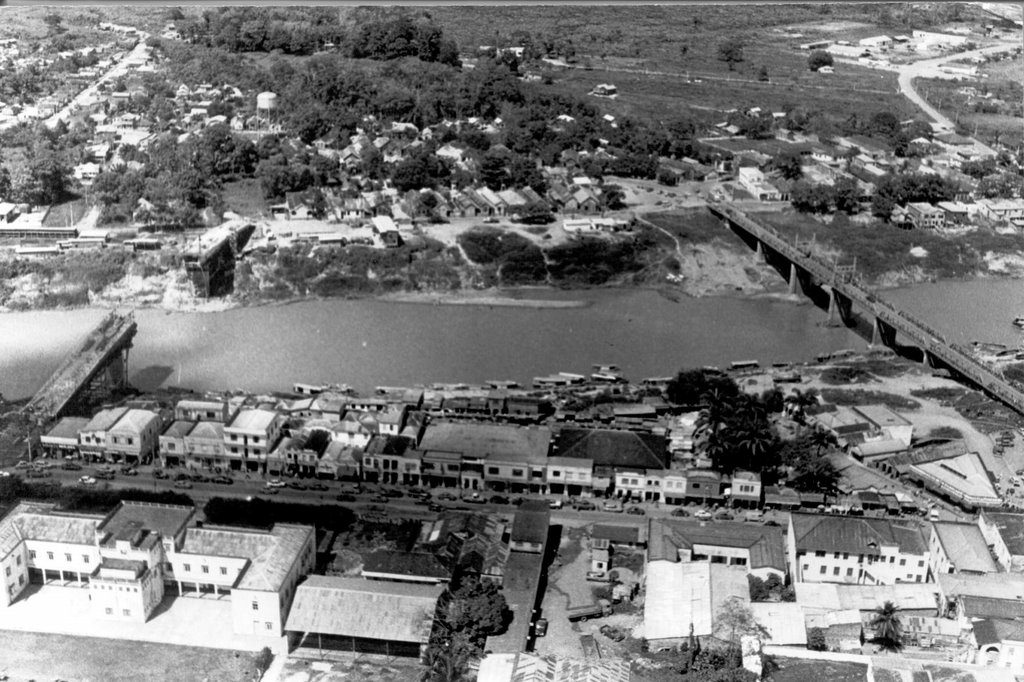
101, 360
210, 259
813, 275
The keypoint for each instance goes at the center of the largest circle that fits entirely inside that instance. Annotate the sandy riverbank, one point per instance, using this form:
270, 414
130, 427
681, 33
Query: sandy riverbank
487, 297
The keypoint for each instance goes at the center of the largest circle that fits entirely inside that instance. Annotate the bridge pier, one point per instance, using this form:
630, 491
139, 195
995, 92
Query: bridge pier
882, 334
838, 309
759, 252
794, 279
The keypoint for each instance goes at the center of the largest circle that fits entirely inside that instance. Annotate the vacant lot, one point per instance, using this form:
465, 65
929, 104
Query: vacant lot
797, 670
344, 667
245, 197
38, 656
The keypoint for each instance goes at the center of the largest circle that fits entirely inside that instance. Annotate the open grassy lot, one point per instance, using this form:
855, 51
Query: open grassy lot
245, 197
39, 656
798, 670
996, 119
660, 97
883, 249
343, 667
68, 213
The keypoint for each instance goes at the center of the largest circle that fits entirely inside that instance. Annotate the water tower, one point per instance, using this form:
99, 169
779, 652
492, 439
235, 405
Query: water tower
266, 111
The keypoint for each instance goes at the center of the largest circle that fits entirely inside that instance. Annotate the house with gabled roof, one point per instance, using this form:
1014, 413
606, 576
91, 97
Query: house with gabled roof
761, 550
613, 450
859, 550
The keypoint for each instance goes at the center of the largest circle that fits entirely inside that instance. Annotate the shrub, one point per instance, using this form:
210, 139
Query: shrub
816, 640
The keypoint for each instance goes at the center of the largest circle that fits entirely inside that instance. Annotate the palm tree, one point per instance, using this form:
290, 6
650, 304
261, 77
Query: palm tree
798, 402
821, 439
888, 628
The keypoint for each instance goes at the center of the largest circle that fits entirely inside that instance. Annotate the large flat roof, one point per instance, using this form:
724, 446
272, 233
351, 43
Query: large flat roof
253, 419
965, 477
370, 609
856, 535
528, 445
840, 597
67, 428
682, 594
166, 519
1011, 530
765, 544
966, 547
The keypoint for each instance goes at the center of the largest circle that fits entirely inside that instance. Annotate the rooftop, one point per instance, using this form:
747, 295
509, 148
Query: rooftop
370, 609
253, 420
619, 533
1011, 530
997, 630
520, 585
271, 553
165, 519
834, 597
530, 525
682, 594
411, 564
104, 419
68, 428
488, 441
178, 429
856, 535
994, 585
208, 430
966, 547
964, 477
528, 667
35, 521
607, 447
765, 543
135, 421
991, 607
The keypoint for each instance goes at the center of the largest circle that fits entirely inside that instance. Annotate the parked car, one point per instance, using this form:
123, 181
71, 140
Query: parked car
612, 506
383, 499
22, 464
129, 471
183, 484
226, 480
160, 473
585, 505
271, 491
636, 511
276, 483
377, 508
724, 516
71, 466
498, 499
612, 633
540, 628
703, 514
435, 507
297, 485
87, 480
475, 498
446, 496
318, 486
555, 504
345, 497
182, 476
104, 475
392, 492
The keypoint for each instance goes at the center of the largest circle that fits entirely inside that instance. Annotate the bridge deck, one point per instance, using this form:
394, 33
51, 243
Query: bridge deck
113, 334
209, 242
849, 286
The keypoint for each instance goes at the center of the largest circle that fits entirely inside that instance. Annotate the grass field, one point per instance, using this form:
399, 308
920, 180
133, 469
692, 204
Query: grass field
39, 656
797, 670
68, 213
245, 197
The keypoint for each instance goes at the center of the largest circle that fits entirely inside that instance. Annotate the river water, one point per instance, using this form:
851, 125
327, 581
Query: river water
366, 343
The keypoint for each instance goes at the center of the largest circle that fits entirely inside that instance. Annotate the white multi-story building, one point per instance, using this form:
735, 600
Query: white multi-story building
850, 549
128, 557
249, 437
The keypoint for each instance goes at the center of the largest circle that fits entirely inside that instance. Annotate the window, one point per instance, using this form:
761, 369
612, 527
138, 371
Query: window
131, 441
21, 580
206, 569
492, 470
903, 562
49, 555
917, 579
846, 555
7, 570
126, 612
255, 606
17, 559
819, 553
806, 567
892, 560
170, 446
849, 572
835, 571
837, 555
696, 486
223, 570
270, 626
517, 473
555, 473
67, 556
823, 569
920, 564
187, 567
85, 558
109, 611
31, 554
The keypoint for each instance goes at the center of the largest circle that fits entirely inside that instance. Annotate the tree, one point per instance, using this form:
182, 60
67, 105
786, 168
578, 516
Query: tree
816, 640
758, 590
735, 621
264, 659
888, 628
816, 476
818, 59
811, 198
846, 195
730, 51
790, 164
48, 177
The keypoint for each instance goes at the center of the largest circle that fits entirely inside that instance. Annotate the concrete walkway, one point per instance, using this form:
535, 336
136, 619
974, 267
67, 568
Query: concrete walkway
188, 621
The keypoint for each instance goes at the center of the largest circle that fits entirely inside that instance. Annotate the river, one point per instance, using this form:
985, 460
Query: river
367, 342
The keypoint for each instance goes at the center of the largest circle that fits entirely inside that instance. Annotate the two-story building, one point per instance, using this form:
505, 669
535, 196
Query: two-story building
761, 550
204, 446
572, 476
959, 548
746, 489
204, 411
643, 455
860, 550
92, 438
249, 437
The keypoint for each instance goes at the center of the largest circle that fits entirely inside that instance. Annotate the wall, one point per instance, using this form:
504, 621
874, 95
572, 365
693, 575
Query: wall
17, 563
887, 568
84, 558
249, 621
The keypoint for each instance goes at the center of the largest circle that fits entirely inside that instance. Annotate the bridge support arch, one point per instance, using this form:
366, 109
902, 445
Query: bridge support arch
795, 282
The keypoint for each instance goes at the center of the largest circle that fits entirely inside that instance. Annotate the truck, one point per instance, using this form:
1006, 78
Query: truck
602, 607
